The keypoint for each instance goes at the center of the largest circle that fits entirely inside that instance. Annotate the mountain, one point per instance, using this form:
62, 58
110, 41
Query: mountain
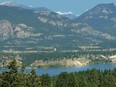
102, 18
9, 3
13, 4
5, 28
40, 33
33, 28
42, 30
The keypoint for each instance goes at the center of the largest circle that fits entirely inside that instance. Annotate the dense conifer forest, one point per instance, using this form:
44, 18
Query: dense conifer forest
89, 78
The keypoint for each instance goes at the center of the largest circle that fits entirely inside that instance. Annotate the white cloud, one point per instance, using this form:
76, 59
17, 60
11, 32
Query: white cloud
64, 13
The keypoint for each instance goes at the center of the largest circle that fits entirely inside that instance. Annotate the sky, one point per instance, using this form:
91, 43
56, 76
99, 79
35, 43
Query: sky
77, 7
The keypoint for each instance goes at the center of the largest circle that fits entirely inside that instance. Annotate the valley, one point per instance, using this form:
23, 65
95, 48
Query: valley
47, 38
58, 43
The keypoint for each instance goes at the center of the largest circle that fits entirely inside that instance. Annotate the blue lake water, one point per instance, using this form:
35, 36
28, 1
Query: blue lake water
56, 71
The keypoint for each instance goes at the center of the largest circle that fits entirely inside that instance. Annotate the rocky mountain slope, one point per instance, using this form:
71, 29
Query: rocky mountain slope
6, 28
44, 30
102, 17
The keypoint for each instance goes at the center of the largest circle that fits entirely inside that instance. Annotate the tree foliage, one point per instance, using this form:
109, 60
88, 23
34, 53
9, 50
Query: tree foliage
89, 78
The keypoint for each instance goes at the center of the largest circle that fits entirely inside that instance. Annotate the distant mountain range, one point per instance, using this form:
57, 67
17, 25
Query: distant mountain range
102, 17
13, 4
40, 29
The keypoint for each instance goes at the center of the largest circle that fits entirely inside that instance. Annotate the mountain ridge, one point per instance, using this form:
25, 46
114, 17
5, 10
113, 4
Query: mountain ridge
45, 28
101, 17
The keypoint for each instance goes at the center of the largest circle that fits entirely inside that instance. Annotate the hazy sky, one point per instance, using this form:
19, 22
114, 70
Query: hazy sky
76, 6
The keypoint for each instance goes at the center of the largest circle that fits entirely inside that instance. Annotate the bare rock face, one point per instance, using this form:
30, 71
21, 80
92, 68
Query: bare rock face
6, 28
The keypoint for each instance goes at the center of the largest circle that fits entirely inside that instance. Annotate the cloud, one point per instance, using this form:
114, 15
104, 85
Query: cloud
64, 13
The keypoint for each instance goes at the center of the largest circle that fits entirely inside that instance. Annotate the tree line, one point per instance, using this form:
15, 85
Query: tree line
89, 78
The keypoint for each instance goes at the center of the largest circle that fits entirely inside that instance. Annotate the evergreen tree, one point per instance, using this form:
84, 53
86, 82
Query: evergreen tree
62, 80
66, 80
34, 80
109, 80
46, 80
13, 66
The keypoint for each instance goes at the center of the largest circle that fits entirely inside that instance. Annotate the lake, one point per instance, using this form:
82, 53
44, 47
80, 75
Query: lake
55, 71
